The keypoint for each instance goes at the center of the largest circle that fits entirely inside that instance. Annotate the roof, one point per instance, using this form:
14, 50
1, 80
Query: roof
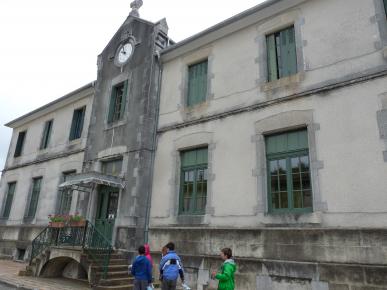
46, 108
228, 26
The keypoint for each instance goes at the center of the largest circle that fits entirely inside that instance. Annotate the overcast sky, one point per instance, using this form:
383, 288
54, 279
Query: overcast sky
49, 48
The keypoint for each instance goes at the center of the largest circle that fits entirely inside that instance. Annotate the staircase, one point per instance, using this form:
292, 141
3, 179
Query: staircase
107, 268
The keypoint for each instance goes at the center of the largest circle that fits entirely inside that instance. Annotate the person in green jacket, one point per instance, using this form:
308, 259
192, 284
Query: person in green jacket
226, 274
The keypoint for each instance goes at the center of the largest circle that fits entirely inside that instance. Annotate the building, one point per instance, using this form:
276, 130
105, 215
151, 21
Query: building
272, 141
47, 146
266, 133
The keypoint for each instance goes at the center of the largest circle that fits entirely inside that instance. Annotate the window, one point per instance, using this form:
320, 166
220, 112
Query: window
197, 83
66, 195
289, 183
281, 54
117, 102
36, 185
9, 199
385, 6
113, 167
77, 123
194, 176
20, 143
46, 134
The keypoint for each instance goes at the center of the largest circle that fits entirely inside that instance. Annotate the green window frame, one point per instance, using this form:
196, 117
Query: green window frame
194, 178
34, 199
281, 54
197, 83
46, 134
117, 102
66, 195
9, 200
77, 123
288, 172
20, 143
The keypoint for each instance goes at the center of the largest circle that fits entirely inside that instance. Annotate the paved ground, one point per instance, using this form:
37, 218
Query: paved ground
8, 275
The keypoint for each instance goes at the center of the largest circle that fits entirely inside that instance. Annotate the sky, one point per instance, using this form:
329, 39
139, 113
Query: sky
49, 48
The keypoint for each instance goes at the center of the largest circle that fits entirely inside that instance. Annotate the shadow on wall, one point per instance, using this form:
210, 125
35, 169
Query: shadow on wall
63, 267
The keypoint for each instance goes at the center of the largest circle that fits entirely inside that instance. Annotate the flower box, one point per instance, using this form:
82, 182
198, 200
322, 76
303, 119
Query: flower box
56, 224
80, 224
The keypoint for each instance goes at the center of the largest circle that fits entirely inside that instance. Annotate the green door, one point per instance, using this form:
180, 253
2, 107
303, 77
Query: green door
107, 210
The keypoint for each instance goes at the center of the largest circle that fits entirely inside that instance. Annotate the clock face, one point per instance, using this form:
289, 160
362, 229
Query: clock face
124, 53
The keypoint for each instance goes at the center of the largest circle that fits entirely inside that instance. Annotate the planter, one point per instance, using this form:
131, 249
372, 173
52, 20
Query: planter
56, 224
80, 224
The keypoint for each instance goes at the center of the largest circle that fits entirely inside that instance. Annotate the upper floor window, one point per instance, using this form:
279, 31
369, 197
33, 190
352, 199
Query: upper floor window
281, 54
34, 197
46, 134
197, 83
9, 199
194, 176
77, 123
289, 184
117, 102
20, 143
112, 167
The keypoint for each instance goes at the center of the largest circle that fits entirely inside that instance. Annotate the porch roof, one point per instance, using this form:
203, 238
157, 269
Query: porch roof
91, 178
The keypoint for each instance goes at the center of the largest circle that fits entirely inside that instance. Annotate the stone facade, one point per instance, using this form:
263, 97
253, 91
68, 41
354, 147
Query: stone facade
337, 96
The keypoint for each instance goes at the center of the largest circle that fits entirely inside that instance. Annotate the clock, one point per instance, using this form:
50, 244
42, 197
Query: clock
124, 52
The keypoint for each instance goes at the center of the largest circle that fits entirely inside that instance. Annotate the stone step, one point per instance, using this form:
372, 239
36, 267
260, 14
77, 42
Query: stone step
116, 281
112, 268
118, 287
113, 261
118, 274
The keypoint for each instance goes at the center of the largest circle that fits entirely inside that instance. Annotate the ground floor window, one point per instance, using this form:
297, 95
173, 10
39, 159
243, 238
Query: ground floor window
194, 176
33, 202
288, 171
9, 200
66, 195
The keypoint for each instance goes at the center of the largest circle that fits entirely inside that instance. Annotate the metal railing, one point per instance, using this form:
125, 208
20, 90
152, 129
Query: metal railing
88, 237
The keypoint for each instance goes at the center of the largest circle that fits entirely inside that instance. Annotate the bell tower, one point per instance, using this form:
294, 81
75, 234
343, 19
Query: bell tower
121, 141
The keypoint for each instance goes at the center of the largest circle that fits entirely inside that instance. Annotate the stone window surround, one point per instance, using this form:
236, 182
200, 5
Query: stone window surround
283, 122
127, 76
381, 19
271, 26
186, 112
186, 142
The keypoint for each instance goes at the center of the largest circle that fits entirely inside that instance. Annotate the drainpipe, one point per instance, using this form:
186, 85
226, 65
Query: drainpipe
154, 145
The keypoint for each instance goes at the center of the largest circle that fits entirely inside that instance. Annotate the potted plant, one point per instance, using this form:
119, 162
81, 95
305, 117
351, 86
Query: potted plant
57, 221
77, 220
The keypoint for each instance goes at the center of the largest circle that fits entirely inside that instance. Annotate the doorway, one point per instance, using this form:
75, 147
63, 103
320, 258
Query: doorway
106, 210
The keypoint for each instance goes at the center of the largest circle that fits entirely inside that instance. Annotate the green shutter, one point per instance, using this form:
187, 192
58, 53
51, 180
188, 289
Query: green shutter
112, 105
271, 58
288, 52
34, 197
197, 83
20, 143
9, 199
123, 104
46, 134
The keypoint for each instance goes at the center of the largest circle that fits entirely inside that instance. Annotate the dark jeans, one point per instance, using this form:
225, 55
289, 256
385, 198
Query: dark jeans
168, 285
140, 284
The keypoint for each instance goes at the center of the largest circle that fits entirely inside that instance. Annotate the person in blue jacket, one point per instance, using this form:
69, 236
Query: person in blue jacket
170, 268
141, 270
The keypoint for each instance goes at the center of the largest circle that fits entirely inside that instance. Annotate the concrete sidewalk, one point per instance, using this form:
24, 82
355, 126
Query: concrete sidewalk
9, 275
